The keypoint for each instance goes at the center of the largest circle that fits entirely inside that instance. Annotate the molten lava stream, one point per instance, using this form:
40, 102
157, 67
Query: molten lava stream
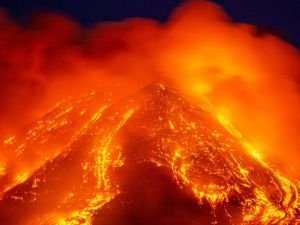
217, 142
130, 160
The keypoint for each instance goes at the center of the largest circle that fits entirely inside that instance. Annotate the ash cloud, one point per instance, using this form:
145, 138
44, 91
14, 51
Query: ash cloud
251, 79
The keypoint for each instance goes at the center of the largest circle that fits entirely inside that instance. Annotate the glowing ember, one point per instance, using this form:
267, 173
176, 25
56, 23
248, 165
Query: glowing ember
89, 174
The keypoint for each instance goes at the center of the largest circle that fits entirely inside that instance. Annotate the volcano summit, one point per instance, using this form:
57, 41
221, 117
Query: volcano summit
151, 158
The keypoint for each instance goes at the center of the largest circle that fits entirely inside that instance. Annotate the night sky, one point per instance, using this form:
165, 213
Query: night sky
278, 16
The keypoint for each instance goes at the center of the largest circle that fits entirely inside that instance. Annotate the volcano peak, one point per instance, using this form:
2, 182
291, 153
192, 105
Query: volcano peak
152, 147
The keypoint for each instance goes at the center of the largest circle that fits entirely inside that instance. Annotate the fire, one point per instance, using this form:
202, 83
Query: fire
232, 145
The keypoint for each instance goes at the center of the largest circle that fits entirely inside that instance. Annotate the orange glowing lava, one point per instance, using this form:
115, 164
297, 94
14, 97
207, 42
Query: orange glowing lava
216, 141
100, 144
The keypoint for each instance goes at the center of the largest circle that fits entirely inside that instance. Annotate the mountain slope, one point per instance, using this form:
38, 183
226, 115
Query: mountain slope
151, 158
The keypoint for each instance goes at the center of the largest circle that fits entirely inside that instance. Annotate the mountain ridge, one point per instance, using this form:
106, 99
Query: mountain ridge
156, 130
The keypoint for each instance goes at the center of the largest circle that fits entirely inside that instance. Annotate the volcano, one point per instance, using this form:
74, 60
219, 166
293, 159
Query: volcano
151, 158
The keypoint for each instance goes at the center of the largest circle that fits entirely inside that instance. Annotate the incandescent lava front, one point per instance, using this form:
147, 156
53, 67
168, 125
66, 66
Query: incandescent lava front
152, 158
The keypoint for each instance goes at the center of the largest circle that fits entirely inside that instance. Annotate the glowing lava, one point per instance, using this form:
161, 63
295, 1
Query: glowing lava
94, 161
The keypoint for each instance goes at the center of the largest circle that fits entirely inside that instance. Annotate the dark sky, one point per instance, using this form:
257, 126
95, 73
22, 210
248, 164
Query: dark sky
281, 16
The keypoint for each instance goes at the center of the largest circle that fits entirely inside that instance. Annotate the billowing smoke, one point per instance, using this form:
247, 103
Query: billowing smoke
250, 77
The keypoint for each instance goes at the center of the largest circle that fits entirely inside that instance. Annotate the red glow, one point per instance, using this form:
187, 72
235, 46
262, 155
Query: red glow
249, 82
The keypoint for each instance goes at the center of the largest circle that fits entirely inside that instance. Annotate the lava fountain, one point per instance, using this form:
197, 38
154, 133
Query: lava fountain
140, 122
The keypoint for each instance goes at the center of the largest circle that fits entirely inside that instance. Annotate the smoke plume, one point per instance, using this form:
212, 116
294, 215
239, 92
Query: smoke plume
251, 78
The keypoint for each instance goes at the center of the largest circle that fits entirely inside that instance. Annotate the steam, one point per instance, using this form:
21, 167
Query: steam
251, 78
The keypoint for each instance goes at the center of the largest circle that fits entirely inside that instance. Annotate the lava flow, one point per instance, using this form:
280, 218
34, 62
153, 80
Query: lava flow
151, 158
217, 142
